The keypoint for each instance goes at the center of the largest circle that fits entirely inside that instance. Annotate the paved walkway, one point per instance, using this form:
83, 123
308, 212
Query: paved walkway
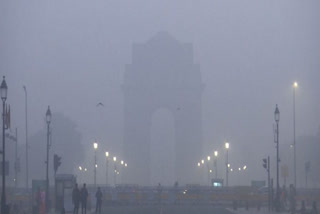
263, 210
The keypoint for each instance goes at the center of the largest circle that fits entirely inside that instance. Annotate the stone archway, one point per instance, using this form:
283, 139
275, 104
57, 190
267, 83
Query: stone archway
162, 74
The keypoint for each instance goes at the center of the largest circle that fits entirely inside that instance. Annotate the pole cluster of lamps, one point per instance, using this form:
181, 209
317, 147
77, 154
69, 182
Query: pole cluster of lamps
215, 165
209, 168
116, 171
215, 160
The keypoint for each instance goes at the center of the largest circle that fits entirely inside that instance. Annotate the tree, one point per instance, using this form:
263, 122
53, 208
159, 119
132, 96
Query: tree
65, 142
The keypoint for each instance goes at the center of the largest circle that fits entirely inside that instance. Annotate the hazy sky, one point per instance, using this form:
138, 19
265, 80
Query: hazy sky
71, 55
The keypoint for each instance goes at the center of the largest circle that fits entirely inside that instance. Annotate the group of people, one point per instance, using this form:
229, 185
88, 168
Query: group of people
81, 197
290, 197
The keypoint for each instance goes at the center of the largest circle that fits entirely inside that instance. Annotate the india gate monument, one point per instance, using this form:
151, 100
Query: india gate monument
162, 74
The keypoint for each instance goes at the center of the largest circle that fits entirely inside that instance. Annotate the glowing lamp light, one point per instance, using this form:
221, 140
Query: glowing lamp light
216, 153
95, 145
227, 145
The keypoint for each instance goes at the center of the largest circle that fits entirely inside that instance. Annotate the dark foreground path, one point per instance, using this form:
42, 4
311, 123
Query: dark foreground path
187, 209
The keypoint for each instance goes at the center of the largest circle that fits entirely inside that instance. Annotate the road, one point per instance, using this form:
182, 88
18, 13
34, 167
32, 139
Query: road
169, 209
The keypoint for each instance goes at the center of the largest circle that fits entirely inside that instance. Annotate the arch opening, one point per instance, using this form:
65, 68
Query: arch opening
162, 148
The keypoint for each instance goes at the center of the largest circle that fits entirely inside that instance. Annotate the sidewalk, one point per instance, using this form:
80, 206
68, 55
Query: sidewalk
263, 210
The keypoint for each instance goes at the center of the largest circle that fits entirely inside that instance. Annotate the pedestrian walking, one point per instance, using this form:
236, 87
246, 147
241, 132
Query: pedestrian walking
284, 196
314, 208
159, 190
303, 209
99, 200
292, 199
83, 199
75, 199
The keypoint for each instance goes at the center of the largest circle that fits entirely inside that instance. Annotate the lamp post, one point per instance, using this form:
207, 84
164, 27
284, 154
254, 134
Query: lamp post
295, 86
95, 147
277, 119
27, 146
208, 169
3, 92
122, 166
80, 169
215, 163
227, 163
48, 120
115, 170
107, 167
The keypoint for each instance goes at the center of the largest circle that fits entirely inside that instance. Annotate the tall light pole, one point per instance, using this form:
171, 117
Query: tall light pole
27, 146
295, 86
115, 170
277, 119
48, 120
121, 167
95, 147
16, 162
208, 169
107, 167
125, 172
215, 163
227, 163
3, 92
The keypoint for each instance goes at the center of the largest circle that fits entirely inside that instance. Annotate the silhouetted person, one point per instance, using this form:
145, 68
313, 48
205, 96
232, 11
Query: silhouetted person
83, 199
314, 208
303, 208
176, 190
292, 199
284, 196
76, 198
159, 192
37, 201
99, 200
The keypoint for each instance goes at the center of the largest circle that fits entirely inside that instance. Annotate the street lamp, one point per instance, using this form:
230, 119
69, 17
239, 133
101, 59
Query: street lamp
295, 86
48, 120
208, 170
4, 93
115, 170
215, 163
107, 166
27, 146
95, 147
277, 119
227, 163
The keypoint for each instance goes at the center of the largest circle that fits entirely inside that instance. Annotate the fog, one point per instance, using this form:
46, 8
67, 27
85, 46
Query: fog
72, 55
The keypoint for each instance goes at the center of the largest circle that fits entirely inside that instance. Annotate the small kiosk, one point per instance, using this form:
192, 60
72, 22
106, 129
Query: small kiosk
64, 184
